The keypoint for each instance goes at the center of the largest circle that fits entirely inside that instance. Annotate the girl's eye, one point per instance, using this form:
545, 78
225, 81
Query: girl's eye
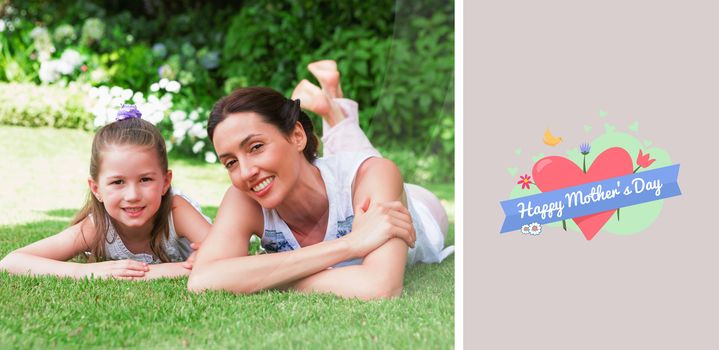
256, 147
146, 179
117, 182
229, 164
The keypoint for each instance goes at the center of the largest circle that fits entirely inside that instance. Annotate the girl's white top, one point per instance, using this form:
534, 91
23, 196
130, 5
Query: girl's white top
338, 172
177, 248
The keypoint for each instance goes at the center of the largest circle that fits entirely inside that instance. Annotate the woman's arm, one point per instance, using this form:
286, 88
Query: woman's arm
223, 263
49, 257
381, 273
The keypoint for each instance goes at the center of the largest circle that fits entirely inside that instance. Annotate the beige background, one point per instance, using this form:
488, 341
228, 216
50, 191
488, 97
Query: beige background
533, 64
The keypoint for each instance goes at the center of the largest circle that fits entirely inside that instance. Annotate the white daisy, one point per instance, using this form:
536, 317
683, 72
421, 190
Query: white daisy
525, 229
535, 228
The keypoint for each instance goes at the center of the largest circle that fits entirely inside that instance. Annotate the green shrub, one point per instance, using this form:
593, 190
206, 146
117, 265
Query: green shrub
399, 67
267, 39
27, 104
396, 60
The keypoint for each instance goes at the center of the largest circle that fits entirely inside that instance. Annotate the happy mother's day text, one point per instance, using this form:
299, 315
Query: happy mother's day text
591, 198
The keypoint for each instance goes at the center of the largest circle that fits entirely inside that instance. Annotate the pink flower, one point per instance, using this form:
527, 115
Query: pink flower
524, 180
643, 161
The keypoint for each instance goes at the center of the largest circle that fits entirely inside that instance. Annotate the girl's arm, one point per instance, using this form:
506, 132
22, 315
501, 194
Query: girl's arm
381, 273
189, 223
223, 263
49, 257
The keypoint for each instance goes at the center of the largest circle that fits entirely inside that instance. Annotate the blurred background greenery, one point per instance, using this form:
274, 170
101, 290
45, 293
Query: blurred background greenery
70, 64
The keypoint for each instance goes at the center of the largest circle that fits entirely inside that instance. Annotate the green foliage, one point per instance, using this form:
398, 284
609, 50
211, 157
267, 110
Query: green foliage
267, 38
396, 59
133, 67
403, 81
26, 104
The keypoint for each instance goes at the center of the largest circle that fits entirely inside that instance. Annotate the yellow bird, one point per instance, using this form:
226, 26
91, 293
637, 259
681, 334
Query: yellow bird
551, 140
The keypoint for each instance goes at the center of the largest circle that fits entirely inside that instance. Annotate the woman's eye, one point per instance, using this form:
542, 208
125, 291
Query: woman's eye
229, 164
255, 147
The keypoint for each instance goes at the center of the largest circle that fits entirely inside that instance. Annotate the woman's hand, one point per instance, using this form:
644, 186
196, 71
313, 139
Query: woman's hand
191, 259
120, 269
376, 224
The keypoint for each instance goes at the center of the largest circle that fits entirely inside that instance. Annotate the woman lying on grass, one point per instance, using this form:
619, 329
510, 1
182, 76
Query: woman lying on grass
133, 225
340, 224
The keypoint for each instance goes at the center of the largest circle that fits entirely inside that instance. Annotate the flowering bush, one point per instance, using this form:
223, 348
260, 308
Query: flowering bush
26, 104
396, 60
183, 131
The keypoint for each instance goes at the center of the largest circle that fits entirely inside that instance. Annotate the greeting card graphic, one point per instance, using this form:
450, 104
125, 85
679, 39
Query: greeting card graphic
614, 183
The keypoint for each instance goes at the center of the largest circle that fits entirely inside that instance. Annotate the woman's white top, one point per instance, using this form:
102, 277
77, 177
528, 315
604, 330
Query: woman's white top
338, 172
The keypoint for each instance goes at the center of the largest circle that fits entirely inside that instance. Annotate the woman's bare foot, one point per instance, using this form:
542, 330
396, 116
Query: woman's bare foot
328, 76
313, 99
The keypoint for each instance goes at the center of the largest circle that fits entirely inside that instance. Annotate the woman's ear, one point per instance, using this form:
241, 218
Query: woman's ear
298, 137
168, 181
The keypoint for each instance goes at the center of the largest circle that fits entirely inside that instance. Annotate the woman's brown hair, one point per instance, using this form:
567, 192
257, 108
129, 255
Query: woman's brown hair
274, 108
136, 132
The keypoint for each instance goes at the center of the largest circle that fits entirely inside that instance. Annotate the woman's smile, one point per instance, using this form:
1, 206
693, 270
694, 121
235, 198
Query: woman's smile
263, 187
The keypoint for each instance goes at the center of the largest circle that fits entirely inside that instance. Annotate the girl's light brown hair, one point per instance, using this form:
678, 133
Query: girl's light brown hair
136, 132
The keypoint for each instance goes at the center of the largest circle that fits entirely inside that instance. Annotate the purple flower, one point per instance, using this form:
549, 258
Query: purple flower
585, 148
128, 112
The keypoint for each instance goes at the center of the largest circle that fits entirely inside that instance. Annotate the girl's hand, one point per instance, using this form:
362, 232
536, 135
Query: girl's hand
374, 225
120, 269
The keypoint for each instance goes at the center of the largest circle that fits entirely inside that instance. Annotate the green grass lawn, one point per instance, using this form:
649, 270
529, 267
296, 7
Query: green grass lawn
44, 173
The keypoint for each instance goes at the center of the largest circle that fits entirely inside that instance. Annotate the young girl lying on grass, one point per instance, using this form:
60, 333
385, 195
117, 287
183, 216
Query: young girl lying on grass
133, 226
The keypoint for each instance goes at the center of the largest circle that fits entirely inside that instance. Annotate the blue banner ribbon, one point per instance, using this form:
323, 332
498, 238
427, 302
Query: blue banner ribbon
591, 198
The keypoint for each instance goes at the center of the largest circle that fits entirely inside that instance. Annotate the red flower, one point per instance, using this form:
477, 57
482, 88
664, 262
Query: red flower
643, 160
83, 68
524, 180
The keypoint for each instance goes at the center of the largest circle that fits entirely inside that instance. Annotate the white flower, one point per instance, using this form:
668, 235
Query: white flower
64, 68
166, 99
173, 86
525, 229
178, 116
155, 87
180, 130
2, 26
163, 83
99, 121
197, 147
210, 157
49, 71
197, 130
72, 58
127, 94
116, 91
138, 98
194, 115
535, 228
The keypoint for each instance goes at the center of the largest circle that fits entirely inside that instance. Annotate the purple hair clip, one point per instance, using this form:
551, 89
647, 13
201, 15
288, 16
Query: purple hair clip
128, 112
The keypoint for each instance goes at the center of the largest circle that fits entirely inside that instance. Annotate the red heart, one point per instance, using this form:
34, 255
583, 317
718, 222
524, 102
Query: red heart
552, 173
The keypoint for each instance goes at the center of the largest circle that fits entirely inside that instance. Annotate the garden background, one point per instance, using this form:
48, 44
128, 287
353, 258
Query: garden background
67, 66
